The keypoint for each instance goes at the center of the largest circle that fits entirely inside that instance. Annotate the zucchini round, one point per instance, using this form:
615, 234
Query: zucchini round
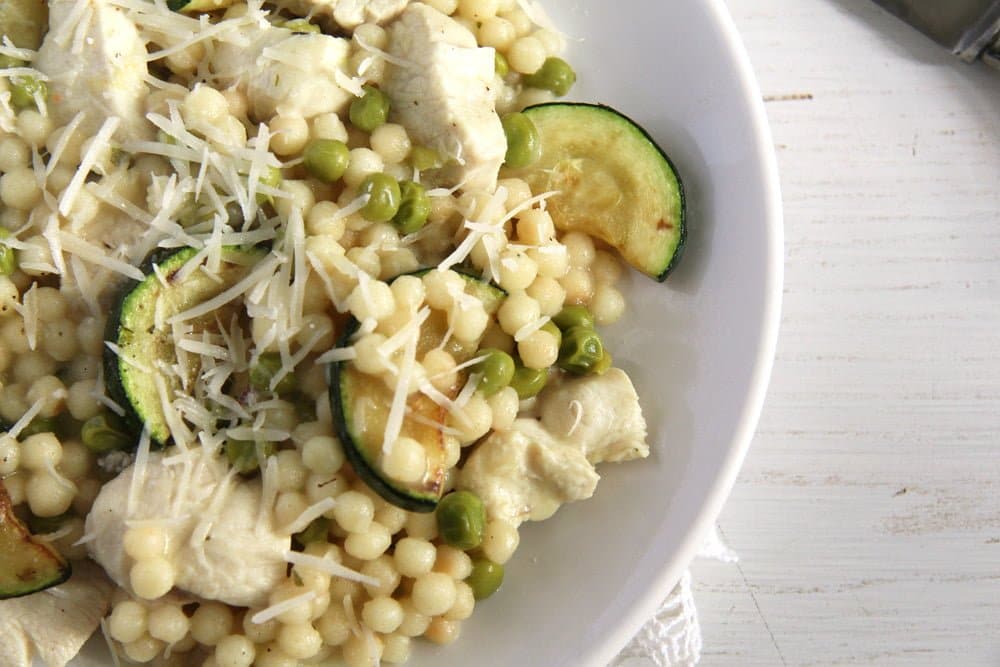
360, 405
26, 565
614, 183
131, 374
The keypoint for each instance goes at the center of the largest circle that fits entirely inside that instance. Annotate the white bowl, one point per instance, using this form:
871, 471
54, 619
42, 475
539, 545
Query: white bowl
698, 347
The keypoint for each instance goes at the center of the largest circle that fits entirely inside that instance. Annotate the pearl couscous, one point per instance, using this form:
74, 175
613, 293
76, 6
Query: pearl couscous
346, 164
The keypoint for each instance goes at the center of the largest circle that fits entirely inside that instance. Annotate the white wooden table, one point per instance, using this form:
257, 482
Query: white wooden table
867, 516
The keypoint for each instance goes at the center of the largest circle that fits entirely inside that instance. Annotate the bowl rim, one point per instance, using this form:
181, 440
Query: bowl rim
646, 605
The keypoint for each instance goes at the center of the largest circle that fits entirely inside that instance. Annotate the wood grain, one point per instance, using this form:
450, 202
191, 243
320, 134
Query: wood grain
867, 516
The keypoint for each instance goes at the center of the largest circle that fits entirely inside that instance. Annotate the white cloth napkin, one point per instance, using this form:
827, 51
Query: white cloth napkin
672, 637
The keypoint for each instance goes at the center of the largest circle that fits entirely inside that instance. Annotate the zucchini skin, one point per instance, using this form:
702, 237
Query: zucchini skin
352, 449
682, 232
112, 368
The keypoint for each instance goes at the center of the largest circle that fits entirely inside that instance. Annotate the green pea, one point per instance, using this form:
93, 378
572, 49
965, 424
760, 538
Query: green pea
271, 178
370, 110
527, 382
605, 362
555, 74
305, 407
8, 256
580, 351
574, 316
497, 369
461, 519
500, 66
423, 158
301, 26
262, 374
317, 531
523, 144
39, 425
554, 330
414, 207
384, 197
485, 579
326, 159
245, 455
23, 90
105, 432
9, 62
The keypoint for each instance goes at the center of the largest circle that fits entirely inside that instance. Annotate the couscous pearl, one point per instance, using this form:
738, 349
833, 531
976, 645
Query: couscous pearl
259, 633
414, 622
300, 640
271, 655
288, 507
433, 593
10, 455
362, 651
465, 603
40, 451
580, 248
168, 623
76, 459
48, 496
446, 7
143, 650
384, 570
333, 626
382, 614
477, 10
607, 304
14, 153
370, 544
454, 562
500, 541
291, 471
31, 366
526, 55
414, 557
127, 622
497, 32
363, 161
289, 134
391, 142
579, 286
606, 268
549, 294
211, 622
406, 461
33, 127
323, 454
322, 220
152, 577
442, 631
287, 591
328, 126
474, 421
19, 189
145, 541
421, 525
440, 368
504, 406
539, 350
354, 511
234, 651
518, 309
396, 649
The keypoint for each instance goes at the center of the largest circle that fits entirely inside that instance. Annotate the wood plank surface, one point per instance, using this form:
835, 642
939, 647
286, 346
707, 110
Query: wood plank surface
867, 516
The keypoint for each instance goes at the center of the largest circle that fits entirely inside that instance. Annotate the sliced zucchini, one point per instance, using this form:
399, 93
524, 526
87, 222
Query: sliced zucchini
198, 6
361, 404
26, 565
24, 22
614, 183
138, 326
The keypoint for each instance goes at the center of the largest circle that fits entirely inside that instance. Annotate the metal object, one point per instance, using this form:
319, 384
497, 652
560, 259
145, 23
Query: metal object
969, 28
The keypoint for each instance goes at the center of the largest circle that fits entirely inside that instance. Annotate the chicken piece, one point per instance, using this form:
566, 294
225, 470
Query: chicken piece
524, 474
529, 470
349, 14
284, 73
441, 88
598, 414
53, 625
96, 63
238, 560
